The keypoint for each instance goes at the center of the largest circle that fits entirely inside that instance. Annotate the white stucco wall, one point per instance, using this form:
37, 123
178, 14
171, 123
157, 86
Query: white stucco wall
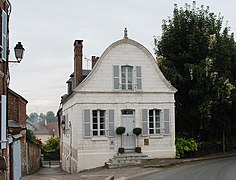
96, 92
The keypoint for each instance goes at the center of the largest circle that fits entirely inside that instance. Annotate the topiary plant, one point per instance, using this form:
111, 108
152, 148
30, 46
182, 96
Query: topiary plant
120, 130
137, 131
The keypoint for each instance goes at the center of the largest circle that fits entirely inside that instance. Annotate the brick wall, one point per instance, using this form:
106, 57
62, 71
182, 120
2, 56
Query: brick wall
17, 108
17, 112
3, 86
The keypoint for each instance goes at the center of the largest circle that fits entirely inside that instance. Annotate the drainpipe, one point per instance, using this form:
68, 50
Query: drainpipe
70, 147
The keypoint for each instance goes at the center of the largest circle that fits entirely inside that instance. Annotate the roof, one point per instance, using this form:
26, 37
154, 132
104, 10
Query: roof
13, 124
17, 95
126, 40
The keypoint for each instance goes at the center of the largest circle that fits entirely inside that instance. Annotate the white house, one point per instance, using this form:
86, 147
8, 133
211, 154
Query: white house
124, 88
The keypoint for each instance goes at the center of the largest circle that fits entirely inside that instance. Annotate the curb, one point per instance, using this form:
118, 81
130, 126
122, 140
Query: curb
188, 160
100, 177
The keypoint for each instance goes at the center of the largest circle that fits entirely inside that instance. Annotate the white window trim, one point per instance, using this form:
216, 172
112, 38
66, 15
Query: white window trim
98, 123
157, 135
126, 78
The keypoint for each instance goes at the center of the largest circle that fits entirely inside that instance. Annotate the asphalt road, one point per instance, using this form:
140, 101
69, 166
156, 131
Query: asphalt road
218, 169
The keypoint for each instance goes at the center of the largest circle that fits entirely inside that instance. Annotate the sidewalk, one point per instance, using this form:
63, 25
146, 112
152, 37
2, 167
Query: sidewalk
131, 172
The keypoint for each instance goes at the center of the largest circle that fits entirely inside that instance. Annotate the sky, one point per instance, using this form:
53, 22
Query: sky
48, 29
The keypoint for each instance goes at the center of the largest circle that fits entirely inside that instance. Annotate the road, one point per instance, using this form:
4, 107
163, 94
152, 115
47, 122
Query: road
218, 169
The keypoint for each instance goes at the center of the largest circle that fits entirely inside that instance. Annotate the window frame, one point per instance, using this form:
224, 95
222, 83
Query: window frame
97, 132
156, 119
127, 70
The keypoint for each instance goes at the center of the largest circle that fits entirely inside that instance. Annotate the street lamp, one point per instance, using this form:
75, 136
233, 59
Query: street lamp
19, 52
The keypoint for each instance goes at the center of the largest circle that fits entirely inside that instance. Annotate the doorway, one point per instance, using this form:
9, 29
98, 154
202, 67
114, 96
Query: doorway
127, 120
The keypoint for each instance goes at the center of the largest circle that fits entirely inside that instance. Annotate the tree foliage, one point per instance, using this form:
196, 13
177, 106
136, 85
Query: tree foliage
49, 116
51, 149
30, 136
198, 56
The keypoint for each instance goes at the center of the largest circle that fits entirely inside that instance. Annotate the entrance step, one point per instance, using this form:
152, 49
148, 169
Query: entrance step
126, 159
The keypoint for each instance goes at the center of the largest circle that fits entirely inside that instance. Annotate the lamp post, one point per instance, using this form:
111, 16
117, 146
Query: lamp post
19, 52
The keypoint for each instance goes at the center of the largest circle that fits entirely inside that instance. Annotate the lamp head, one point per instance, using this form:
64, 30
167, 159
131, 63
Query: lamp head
19, 51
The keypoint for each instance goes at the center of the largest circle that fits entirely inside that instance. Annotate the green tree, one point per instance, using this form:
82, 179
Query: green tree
33, 117
198, 56
51, 149
30, 136
50, 116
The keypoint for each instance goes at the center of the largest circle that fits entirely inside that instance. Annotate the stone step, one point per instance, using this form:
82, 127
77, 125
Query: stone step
126, 159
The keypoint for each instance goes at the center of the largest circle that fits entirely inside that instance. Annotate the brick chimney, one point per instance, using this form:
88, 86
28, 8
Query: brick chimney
94, 60
78, 59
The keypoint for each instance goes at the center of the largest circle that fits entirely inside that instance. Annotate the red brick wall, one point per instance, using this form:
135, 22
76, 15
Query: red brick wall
17, 112
17, 108
4, 152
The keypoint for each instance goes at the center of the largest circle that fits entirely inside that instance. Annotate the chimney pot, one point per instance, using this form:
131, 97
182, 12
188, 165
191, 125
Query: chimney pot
77, 42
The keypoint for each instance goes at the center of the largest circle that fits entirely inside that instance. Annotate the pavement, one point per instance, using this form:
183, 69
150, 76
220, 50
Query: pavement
130, 172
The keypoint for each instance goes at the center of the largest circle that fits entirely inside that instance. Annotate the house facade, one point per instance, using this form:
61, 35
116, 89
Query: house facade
4, 148
12, 110
124, 88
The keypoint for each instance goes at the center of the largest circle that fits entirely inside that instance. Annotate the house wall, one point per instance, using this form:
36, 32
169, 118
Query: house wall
17, 112
99, 150
96, 92
3, 91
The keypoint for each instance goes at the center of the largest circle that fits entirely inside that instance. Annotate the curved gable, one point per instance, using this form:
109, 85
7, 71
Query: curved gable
130, 53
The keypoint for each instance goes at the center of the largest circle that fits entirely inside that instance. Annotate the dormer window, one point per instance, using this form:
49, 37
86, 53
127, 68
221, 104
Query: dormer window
126, 77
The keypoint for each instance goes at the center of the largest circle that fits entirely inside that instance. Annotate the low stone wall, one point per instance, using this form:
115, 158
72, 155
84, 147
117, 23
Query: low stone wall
34, 157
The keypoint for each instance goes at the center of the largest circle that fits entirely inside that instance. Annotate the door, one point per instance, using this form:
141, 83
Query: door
16, 159
128, 138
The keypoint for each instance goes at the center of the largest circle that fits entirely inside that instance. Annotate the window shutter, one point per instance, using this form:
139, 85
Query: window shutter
138, 77
111, 132
3, 121
167, 121
145, 122
4, 35
87, 123
116, 76
66, 121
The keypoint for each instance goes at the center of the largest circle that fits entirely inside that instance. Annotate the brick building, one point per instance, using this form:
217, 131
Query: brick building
12, 110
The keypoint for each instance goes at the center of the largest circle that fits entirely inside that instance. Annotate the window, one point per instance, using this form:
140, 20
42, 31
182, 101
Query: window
98, 122
127, 112
127, 77
154, 121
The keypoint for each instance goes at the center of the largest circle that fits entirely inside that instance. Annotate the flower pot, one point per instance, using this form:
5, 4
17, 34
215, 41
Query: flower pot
138, 150
121, 150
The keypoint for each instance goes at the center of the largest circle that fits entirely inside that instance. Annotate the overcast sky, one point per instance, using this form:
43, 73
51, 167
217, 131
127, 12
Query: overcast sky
48, 29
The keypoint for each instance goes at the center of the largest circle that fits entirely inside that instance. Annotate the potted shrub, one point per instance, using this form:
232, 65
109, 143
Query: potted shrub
120, 130
137, 131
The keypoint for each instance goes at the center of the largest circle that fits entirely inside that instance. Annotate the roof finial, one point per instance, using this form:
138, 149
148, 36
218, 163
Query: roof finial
125, 33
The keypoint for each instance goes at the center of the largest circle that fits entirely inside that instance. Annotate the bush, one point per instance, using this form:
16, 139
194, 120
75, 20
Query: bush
184, 145
120, 130
137, 131
51, 150
30, 136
